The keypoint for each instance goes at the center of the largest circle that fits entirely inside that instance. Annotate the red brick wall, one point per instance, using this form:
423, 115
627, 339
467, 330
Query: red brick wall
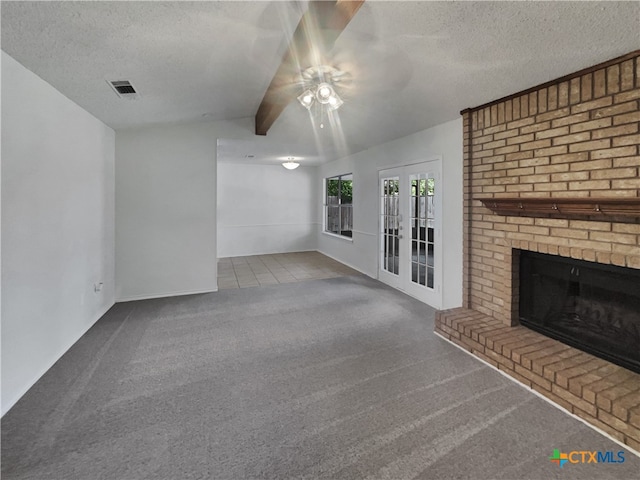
575, 137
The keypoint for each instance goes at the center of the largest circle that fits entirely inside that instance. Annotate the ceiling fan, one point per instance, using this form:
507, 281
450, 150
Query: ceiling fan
306, 72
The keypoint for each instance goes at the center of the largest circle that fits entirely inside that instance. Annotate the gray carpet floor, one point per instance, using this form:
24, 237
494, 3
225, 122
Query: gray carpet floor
340, 378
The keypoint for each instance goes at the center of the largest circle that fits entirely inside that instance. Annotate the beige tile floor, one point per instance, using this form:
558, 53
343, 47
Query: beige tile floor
256, 270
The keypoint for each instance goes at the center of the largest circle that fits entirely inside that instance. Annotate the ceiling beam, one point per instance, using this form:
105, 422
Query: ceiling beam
318, 30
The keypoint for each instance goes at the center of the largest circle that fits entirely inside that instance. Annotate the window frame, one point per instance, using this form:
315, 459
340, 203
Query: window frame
326, 205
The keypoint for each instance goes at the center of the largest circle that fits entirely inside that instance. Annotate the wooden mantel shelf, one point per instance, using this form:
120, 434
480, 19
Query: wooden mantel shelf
565, 207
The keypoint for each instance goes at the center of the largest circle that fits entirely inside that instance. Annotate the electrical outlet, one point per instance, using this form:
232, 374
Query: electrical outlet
97, 287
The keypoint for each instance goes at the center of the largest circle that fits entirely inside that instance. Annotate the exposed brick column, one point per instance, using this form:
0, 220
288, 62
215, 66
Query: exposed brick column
466, 251
578, 136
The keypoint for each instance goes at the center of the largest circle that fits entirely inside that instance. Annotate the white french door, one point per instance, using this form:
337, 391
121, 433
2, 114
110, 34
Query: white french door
410, 230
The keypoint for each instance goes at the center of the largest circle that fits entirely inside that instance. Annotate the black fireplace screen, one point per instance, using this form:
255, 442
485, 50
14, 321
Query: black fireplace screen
590, 306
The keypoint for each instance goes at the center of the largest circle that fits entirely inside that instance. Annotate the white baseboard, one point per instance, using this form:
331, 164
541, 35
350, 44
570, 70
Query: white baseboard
134, 298
345, 263
9, 406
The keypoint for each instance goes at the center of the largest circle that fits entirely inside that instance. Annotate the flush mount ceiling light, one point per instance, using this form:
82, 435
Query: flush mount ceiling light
290, 164
319, 87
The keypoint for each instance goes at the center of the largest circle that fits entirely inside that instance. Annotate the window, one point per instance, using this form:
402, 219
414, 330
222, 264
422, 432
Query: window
338, 205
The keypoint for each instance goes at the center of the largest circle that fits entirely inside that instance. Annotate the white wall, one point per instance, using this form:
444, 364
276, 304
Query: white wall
266, 209
444, 141
166, 208
57, 226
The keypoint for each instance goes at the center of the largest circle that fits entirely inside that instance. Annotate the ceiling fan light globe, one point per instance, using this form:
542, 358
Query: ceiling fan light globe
324, 93
306, 99
335, 102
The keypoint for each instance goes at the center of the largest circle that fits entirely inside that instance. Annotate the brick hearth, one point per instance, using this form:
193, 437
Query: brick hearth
575, 137
597, 391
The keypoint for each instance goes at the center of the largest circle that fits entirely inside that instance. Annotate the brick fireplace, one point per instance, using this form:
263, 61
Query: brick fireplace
553, 170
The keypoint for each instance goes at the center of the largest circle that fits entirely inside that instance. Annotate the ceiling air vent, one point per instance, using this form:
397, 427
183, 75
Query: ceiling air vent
124, 89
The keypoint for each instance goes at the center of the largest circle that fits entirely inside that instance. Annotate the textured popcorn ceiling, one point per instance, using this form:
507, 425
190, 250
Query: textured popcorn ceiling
414, 64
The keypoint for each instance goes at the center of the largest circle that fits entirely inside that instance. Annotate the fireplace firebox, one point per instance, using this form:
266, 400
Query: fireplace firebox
590, 306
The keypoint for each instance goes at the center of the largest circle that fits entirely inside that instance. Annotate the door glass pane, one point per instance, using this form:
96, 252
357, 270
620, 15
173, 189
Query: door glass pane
422, 225
430, 191
416, 233
390, 223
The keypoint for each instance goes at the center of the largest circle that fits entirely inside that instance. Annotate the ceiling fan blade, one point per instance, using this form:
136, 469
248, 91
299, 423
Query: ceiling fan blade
375, 68
315, 35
